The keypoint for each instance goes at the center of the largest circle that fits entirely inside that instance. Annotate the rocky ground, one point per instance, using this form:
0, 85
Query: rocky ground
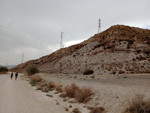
111, 92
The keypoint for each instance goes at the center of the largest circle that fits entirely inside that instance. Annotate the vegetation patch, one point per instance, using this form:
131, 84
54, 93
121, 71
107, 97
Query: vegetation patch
3, 69
70, 90
57, 92
33, 83
76, 110
36, 78
51, 85
58, 87
31, 69
51, 89
96, 109
38, 88
49, 95
82, 95
45, 89
138, 105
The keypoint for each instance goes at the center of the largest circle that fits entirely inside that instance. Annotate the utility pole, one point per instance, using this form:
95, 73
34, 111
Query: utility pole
99, 25
61, 40
22, 57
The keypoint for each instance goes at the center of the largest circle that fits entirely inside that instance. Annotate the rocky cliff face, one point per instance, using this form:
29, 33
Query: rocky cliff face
119, 49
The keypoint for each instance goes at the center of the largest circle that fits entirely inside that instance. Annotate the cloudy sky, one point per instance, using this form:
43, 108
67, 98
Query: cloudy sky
33, 27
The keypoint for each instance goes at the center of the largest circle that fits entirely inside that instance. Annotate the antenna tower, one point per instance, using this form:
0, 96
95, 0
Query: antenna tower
61, 40
22, 57
99, 25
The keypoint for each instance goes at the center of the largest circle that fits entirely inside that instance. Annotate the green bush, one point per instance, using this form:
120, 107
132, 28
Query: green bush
31, 69
3, 69
33, 83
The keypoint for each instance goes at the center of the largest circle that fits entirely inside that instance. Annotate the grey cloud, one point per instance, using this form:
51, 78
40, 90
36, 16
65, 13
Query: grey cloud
33, 26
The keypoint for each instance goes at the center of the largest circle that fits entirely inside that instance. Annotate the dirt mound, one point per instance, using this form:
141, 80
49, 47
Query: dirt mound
119, 49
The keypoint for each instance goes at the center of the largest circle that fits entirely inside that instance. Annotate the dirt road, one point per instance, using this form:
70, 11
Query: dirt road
17, 96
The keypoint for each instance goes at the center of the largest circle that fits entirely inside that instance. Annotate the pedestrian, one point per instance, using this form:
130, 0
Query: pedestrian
16, 75
11, 75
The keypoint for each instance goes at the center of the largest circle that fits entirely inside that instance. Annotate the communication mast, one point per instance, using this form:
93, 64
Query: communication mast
99, 25
61, 40
22, 57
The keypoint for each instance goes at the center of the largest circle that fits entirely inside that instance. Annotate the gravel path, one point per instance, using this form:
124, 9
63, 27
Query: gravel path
17, 96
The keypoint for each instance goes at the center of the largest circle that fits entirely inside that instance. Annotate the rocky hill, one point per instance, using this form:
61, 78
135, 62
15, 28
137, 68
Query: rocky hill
119, 49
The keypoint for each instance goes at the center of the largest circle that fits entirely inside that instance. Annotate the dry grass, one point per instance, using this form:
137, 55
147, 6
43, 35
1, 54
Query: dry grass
96, 109
42, 83
70, 90
45, 89
138, 105
58, 87
63, 95
51, 85
83, 94
3, 72
76, 110
36, 78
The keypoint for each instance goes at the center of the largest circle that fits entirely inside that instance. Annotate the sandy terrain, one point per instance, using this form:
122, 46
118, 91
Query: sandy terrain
111, 92
19, 97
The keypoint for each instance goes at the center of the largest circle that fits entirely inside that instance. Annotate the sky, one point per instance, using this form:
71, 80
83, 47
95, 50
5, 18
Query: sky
33, 27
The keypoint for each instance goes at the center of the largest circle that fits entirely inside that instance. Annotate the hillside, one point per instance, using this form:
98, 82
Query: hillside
119, 49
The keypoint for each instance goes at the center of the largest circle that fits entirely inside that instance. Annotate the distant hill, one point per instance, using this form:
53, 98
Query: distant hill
119, 49
9, 66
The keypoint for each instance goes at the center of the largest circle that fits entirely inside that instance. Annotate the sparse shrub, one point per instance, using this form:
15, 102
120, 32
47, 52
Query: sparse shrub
83, 94
57, 103
70, 106
49, 95
3, 69
97, 109
70, 90
66, 109
92, 76
36, 78
63, 95
57, 92
31, 69
88, 72
75, 77
121, 72
33, 83
58, 87
45, 89
51, 89
138, 105
38, 88
51, 85
42, 83
76, 110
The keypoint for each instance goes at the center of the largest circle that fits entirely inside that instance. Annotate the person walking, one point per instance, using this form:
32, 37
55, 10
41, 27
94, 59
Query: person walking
11, 76
16, 75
